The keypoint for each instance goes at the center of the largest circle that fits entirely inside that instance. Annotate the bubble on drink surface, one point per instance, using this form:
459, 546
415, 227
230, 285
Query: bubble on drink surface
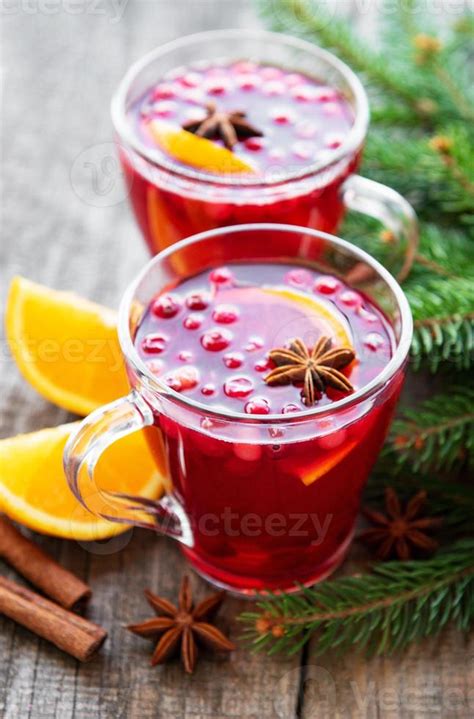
257, 405
238, 387
218, 86
274, 88
165, 108
233, 360
333, 141
249, 82
190, 79
221, 276
294, 78
373, 341
289, 408
306, 130
327, 285
154, 343
254, 343
282, 116
271, 73
155, 366
298, 278
349, 298
166, 306
184, 378
244, 67
193, 321
225, 314
216, 339
325, 94
303, 93
254, 144
262, 365
164, 91
197, 301
185, 356
367, 316
304, 150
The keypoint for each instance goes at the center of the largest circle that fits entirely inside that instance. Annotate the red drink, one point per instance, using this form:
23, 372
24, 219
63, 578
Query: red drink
302, 120
266, 461
312, 129
265, 515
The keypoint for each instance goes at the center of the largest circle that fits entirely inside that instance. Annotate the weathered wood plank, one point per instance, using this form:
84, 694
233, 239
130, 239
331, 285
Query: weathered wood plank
434, 679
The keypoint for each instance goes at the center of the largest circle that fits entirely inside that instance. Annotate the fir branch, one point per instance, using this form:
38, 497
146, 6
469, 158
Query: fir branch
379, 613
436, 435
443, 251
443, 310
445, 77
446, 252
305, 18
439, 289
419, 91
438, 185
433, 61
458, 157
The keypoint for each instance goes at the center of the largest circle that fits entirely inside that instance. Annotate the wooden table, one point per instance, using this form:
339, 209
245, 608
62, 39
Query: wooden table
66, 224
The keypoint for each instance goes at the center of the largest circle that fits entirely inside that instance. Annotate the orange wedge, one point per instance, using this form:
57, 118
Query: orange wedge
65, 346
330, 323
329, 462
34, 491
196, 151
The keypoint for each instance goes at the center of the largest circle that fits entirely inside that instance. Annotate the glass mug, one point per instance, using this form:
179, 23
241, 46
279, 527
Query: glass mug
172, 201
234, 499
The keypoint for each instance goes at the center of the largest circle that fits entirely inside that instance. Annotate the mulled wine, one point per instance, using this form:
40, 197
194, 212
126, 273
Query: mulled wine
266, 514
280, 122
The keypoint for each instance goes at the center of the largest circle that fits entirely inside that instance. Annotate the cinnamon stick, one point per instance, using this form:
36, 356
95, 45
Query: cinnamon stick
40, 569
73, 634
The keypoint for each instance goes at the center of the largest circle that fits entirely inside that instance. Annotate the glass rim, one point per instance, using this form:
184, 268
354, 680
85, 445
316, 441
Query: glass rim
350, 145
159, 387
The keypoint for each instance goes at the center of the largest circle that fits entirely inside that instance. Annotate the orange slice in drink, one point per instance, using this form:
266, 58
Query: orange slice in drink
323, 316
329, 323
331, 459
197, 151
34, 490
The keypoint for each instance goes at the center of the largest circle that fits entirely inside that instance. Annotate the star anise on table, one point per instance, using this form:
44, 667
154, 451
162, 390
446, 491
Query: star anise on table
317, 369
182, 627
401, 531
230, 127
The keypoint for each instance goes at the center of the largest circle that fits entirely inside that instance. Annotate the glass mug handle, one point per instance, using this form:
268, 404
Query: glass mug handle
82, 452
387, 205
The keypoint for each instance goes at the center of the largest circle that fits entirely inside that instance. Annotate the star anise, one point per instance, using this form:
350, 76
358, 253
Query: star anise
219, 124
182, 626
400, 531
317, 370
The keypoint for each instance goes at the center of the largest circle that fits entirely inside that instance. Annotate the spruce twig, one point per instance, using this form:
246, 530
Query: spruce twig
436, 435
443, 310
380, 612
